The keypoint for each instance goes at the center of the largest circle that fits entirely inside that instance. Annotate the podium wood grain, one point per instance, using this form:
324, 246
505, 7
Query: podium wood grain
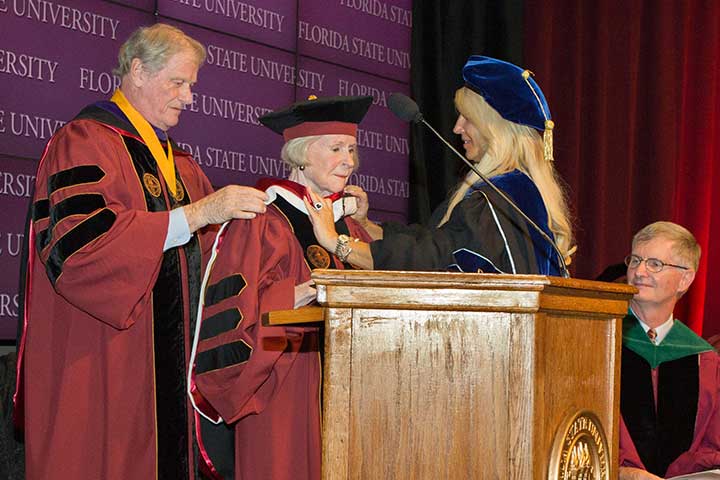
462, 376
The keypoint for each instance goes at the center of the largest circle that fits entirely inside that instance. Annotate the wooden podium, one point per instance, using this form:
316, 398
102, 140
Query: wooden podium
469, 376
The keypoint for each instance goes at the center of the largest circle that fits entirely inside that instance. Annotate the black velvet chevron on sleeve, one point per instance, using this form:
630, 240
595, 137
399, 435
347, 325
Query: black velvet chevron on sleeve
87, 231
223, 356
225, 288
220, 323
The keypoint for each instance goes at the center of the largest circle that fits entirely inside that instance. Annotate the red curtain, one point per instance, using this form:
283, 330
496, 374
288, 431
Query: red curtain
633, 87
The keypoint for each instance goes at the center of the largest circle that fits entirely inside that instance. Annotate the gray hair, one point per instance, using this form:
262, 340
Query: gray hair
684, 245
154, 46
294, 152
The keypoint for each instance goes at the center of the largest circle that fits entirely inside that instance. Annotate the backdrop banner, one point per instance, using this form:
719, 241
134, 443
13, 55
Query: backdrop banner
17, 179
58, 55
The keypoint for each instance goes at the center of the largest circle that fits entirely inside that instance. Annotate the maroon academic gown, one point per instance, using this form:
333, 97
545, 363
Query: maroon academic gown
264, 381
704, 451
107, 313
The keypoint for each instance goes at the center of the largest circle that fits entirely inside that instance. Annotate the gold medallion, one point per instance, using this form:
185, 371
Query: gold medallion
179, 192
318, 256
580, 449
152, 184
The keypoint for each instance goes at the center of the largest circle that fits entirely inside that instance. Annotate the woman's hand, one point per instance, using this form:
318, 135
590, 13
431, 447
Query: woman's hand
305, 294
326, 235
363, 204
322, 221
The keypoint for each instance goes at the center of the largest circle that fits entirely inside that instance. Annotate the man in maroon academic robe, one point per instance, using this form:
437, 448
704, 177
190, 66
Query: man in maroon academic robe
113, 277
670, 380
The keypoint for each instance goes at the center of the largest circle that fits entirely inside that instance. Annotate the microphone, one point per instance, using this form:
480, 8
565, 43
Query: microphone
406, 109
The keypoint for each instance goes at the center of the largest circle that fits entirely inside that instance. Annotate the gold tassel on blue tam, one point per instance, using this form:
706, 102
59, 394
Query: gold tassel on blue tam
513, 93
548, 140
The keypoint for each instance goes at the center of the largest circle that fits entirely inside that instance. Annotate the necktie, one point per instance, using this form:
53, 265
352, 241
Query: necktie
652, 335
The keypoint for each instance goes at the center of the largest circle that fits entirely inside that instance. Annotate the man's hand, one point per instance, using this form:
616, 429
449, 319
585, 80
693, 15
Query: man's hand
227, 203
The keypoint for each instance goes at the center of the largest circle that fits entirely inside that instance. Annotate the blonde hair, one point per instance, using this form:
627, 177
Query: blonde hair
154, 46
294, 152
684, 245
513, 146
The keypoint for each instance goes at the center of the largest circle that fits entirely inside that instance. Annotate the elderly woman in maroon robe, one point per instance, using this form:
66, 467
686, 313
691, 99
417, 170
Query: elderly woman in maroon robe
258, 387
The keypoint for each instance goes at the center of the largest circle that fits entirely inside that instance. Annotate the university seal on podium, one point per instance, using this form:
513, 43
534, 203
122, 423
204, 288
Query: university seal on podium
580, 450
318, 256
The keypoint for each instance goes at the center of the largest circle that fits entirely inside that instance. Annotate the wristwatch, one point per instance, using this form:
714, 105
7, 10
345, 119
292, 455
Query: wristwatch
343, 249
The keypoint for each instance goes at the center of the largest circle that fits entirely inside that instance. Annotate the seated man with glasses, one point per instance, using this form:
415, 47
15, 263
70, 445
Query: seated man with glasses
670, 379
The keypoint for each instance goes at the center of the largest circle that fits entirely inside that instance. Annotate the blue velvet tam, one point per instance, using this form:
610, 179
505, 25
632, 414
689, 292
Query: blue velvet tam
509, 89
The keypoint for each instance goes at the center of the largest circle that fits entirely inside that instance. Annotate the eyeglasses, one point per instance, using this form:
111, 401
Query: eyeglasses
653, 265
